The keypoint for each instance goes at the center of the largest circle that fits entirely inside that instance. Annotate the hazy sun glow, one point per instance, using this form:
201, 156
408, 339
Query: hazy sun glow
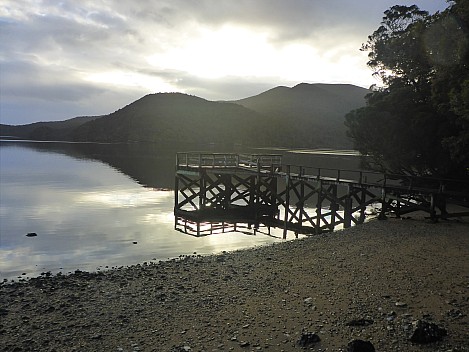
234, 51
131, 79
239, 52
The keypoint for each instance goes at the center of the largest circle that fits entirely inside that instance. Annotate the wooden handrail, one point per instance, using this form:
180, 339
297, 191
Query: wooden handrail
273, 163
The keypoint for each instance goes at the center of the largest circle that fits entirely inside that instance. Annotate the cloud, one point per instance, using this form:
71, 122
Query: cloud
64, 58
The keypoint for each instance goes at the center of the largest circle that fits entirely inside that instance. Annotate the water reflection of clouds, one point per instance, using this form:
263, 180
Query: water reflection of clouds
164, 217
87, 215
128, 198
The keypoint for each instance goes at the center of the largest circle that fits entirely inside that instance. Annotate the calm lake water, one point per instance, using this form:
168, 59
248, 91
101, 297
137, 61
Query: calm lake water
96, 206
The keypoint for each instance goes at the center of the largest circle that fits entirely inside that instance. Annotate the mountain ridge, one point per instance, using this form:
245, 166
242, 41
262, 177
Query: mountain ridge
305, 115
319, 108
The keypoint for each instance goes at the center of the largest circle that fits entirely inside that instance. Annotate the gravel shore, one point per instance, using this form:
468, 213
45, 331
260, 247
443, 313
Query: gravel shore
371, 282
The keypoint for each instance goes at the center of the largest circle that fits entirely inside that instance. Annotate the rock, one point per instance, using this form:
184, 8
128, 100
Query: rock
400, 304
307, 339
360, 322
31, 234
360, 346
455, 313
427, 333
308, 301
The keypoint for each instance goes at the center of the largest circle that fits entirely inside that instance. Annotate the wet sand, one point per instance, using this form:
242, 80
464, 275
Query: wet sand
382, 276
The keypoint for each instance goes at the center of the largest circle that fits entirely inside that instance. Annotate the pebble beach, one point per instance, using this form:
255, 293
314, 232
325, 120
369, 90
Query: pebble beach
372, 282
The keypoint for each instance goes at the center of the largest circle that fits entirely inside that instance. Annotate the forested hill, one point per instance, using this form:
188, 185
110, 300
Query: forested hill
307, 115
312, 114
57, 130
174, 117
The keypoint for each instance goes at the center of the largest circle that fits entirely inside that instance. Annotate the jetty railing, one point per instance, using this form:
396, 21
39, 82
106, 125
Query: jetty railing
197, 160
305, 199
228, 160
365, 178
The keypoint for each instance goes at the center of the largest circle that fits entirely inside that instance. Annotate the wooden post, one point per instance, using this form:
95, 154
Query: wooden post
348, 208
398, 208
362, 205
433, 217
334, 207
273, 192
301, 202
382, 214
252, 191
202, 191
287, 202
176, 199
319, 208
226, 200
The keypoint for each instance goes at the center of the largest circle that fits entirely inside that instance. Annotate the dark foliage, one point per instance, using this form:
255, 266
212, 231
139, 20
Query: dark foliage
418, 122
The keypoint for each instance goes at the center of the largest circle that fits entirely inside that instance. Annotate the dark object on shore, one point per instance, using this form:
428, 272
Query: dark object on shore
360, 346
31, 234
427, 333
134, 242
360, 322
307, 339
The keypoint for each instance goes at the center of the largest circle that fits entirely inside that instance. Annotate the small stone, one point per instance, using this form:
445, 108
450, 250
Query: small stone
308, 301
244, 344
360, 322
400, 304
308, 339
360, 346
427, 333
407, 327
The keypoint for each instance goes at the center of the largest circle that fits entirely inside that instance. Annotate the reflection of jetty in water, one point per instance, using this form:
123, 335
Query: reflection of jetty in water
213, 224
249, 193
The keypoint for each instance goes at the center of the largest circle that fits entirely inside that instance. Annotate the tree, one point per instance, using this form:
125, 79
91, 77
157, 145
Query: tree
418, 121
450, 93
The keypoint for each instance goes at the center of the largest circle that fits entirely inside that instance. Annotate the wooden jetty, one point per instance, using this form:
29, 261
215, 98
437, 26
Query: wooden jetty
222, 192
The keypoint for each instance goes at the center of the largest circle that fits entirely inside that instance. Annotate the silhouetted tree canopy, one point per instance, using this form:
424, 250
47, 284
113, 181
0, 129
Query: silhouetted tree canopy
417, 122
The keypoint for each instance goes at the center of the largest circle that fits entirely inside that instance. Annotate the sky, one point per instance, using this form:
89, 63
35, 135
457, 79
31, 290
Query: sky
62, 59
